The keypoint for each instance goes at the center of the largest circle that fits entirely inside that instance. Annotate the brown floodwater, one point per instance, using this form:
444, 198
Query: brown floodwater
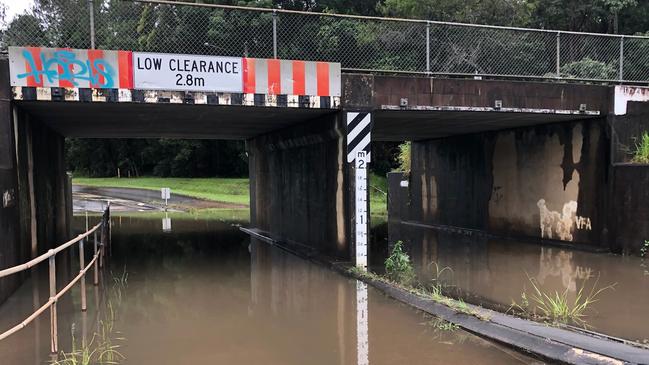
204, 293
493, 273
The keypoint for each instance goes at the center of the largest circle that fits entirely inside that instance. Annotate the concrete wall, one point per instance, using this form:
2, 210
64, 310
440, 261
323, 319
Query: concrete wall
629, 188
50, 183
34, 213
298, 185
10, 228
375, 91
546, 181
629, 212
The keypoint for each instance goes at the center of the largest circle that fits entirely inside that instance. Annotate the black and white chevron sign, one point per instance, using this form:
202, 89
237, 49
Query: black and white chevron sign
359, 126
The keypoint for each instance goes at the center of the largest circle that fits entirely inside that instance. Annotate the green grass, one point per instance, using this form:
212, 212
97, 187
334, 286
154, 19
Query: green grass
226, 190
378, 195
434, 293
641, 153
557, 307
442, 325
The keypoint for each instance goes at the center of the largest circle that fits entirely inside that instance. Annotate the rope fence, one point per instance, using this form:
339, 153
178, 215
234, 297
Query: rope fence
96, 262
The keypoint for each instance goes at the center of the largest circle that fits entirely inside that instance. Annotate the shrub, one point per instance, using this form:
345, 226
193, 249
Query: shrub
588, 68
398, 267
641, 154
404, 156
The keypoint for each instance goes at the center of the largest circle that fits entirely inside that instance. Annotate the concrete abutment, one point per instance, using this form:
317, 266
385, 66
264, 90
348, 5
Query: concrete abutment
299, 185
35, 212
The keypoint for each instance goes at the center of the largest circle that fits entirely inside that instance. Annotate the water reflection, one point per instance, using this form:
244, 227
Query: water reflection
362, 338
493, 272
166, 223
205, 293
559, 264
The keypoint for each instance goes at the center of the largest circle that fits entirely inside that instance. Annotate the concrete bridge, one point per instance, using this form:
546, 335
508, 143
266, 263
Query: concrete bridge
515, 158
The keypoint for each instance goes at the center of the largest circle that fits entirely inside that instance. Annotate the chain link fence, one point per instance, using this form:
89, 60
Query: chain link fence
358, 43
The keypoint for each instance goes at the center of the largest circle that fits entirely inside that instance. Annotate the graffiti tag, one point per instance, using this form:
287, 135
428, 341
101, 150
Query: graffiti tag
63, 65
561, 225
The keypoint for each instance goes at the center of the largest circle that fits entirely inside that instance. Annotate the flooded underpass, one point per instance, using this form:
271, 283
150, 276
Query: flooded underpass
494, 273
205, 293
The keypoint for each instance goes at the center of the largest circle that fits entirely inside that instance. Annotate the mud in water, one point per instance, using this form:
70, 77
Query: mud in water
204, 293
493, 273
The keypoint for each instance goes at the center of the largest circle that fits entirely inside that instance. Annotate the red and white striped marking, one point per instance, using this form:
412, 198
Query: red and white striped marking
277, 77
42, 67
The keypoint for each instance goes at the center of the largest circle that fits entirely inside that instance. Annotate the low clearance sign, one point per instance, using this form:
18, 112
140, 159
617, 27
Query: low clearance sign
105, 69
160, 71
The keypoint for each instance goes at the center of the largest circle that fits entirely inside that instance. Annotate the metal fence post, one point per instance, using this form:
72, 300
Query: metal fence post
102, 242
91, 12
96, 265
621, 73
82, 266
274, 33
54, 341
428, 48
558, 55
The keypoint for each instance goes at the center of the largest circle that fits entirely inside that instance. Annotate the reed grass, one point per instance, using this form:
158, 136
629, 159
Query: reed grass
557, 307
104, 346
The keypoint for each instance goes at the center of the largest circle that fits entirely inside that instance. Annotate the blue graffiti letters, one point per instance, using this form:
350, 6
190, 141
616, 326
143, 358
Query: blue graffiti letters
63, 65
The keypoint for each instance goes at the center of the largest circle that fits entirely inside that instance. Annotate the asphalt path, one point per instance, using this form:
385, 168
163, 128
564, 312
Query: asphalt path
94, 199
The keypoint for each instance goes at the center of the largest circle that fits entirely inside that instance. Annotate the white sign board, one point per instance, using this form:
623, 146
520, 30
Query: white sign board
161, 71
166, 193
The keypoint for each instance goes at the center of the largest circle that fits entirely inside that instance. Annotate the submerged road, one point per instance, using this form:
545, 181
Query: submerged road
206, 293
93, 199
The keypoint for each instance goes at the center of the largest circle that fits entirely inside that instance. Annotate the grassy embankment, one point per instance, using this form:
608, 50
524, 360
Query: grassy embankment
226, 190
378, 198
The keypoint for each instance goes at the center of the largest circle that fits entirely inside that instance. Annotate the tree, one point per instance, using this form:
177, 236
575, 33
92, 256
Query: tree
494, 12
25, 29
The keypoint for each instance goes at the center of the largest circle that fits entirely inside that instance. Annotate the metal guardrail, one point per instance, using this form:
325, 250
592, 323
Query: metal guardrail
359, 43
97, 262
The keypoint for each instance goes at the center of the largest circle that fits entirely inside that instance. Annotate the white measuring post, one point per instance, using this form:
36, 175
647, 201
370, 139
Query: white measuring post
359, 126
358, 151
166, 195
361, 209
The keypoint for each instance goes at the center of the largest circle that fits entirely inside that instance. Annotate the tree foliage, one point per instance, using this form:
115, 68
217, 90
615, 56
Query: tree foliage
158, 157
378, 45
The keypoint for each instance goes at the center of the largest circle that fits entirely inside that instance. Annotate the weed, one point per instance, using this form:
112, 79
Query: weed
357, 271
102, 348
641, 153
557, 307
398, 267
404, 157
438, 273
442, 325
644, 249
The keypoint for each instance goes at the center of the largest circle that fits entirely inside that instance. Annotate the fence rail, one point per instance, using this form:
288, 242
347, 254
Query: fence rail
360, 43
96, 262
